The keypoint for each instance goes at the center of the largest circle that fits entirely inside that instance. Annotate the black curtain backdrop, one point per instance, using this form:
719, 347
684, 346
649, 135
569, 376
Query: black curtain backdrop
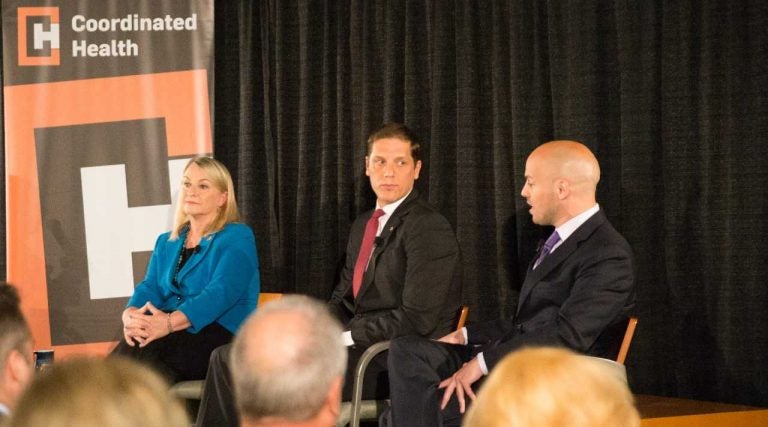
671, 96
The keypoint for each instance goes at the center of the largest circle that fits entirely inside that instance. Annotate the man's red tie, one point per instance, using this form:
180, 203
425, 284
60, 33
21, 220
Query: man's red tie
364, 254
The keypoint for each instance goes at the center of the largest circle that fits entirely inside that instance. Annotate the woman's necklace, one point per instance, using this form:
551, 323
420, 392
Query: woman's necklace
184, 255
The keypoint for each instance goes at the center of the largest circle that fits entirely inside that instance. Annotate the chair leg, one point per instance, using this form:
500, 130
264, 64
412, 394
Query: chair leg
357, 388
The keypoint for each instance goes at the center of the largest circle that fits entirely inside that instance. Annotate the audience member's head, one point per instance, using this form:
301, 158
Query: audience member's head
16, 364
288, 363
92, 392
548, 387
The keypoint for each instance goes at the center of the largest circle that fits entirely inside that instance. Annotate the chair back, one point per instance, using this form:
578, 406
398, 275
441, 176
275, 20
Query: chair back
265, 297
462, 316
627, 341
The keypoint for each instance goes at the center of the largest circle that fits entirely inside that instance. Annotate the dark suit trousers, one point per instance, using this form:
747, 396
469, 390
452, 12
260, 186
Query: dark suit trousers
180, 356
217, 407
416, 366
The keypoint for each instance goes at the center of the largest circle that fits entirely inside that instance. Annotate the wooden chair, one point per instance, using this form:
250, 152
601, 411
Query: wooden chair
627, 341
617, 365
193, 390
266, 297
356, 410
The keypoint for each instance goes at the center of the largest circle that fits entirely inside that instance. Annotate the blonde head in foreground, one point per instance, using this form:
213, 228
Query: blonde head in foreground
92, 392
548, 387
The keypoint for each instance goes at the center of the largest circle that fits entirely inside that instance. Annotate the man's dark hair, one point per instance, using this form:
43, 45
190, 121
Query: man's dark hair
399, 131
14, 331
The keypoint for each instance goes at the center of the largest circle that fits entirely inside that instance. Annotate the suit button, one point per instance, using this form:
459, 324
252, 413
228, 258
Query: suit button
178, 298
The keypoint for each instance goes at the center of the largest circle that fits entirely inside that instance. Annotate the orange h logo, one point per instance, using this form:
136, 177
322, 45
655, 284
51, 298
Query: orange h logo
38, 36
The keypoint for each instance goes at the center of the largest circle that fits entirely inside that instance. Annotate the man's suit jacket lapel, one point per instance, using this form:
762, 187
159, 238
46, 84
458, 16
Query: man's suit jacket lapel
384, 239
553, 260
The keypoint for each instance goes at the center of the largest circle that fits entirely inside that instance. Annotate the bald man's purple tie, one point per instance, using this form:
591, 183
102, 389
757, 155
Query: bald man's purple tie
547, 248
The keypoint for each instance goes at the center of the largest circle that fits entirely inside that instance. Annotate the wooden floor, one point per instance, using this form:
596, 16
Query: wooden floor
657, 411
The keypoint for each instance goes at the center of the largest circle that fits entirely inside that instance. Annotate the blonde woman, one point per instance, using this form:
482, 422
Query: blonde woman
549, 387
201, 283
113, 392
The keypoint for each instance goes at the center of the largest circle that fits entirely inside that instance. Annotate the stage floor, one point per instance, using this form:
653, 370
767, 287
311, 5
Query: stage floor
657, 411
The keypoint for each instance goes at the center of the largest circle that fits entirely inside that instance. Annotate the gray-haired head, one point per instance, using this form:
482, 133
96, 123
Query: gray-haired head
286, 358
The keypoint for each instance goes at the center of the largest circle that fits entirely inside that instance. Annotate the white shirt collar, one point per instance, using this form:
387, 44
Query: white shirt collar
4, 410
570, 226
389, 210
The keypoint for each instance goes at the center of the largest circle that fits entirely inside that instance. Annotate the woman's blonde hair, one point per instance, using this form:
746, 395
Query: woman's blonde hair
91, 392
548, 387
222, 180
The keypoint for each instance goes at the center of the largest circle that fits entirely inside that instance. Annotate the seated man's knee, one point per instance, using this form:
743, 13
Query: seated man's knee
405, 345
411, 348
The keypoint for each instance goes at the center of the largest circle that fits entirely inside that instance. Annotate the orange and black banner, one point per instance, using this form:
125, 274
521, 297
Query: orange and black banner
104, 101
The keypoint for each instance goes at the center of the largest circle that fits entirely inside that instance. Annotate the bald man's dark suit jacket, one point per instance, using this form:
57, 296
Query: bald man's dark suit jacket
579, 297
413, 282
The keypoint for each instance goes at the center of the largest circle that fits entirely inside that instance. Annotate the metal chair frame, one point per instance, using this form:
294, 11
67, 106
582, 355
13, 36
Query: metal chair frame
359, 409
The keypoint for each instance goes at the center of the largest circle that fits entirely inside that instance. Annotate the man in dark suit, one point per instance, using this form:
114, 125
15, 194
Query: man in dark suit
401, 277
411, 283
16, 365
577, 294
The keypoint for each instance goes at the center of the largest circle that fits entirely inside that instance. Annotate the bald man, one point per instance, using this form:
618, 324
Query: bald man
288, 363
578, 293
